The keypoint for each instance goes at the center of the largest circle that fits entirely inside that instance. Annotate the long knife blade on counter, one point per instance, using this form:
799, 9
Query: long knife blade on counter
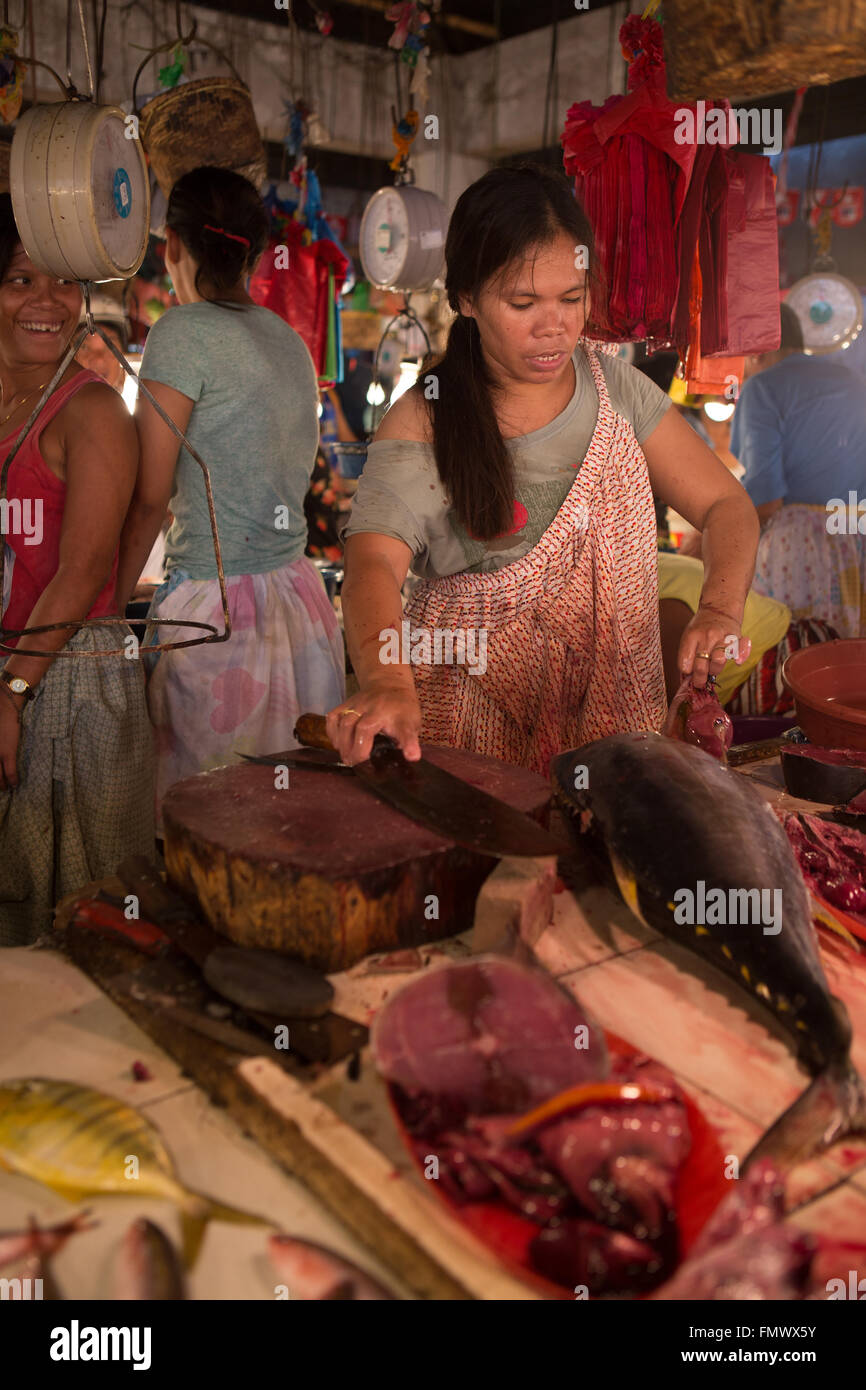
216, 1029
317, 759
438, 800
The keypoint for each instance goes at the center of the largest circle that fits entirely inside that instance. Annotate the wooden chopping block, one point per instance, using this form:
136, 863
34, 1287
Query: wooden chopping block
322, 869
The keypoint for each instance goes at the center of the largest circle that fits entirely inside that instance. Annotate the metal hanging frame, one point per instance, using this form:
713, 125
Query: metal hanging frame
408, 318
87, 328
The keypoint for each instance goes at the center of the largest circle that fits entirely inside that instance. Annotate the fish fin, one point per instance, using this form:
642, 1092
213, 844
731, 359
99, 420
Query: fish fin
823, 915
198, 1210
832, 1108
627, 885
192, 1228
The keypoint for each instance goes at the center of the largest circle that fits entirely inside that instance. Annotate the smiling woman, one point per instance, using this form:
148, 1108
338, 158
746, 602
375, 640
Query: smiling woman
75, 743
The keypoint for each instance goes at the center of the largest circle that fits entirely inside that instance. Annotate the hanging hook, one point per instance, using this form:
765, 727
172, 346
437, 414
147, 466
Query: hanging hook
182, 37
86, 287
86, 42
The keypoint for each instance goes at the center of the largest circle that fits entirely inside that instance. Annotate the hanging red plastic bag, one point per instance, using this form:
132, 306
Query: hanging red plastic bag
292, 279
752, 263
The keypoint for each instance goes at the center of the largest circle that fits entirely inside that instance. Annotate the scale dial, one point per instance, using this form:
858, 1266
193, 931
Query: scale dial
830, 310
402, 240
80, 191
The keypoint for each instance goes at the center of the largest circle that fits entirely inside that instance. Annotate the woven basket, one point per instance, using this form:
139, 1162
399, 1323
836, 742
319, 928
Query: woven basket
743, 48
208, 121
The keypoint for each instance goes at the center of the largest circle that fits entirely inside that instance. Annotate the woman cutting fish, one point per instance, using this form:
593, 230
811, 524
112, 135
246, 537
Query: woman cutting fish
516, 479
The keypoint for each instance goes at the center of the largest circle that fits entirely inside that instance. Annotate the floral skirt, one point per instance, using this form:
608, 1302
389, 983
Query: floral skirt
208, 704
817, 574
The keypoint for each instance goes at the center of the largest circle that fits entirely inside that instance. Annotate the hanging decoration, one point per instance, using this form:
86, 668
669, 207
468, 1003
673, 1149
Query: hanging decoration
685, 225
305, 268
170, 75
411, 21
403, 132
12, 74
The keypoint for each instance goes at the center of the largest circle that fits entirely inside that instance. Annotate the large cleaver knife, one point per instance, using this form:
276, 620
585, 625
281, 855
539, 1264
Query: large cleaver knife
436, 799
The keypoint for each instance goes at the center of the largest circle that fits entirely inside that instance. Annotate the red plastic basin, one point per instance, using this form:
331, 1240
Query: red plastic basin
828, 682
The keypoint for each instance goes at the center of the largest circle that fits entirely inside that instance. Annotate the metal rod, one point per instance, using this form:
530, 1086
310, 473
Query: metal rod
67, 90
85, 330
86, 43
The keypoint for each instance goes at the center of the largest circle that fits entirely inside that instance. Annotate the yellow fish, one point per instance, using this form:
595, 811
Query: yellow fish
81, 1142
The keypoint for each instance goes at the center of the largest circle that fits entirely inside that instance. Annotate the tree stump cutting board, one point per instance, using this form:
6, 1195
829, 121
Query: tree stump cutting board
322, 869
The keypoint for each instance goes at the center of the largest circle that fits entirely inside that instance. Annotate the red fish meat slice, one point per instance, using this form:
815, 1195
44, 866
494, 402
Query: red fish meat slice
491, 1035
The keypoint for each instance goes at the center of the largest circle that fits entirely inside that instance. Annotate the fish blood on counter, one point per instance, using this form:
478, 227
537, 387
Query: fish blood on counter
469, 1049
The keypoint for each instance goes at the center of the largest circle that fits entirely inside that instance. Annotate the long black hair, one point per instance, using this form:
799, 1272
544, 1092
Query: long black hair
222, 222
9, 234
496, 222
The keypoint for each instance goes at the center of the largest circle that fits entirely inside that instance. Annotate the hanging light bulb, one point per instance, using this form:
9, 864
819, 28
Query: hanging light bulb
375, 393
719, 410
409, 369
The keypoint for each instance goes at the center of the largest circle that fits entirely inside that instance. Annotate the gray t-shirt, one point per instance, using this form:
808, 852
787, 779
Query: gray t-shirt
400, 493
255, 425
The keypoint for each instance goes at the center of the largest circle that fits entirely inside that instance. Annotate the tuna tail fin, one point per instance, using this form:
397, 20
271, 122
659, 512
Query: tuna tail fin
626, 882
197, 1211
833, 1107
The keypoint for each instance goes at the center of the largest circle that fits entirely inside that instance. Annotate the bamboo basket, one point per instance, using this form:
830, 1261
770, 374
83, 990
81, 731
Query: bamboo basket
745, 48
208, 121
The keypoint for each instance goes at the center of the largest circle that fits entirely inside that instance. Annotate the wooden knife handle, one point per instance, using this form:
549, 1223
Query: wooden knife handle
311, 731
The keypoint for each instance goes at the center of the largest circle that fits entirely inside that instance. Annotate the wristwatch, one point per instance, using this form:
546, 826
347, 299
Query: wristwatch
18, 685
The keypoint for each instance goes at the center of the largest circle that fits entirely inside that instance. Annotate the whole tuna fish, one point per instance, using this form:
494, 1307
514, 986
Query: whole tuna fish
678, 827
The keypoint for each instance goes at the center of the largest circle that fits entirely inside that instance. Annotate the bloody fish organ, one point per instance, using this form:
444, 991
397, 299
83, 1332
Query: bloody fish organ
696, 717
833, 861
594, 1164
672, 819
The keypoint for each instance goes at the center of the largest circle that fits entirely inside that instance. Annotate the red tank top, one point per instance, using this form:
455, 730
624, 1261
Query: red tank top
31, 522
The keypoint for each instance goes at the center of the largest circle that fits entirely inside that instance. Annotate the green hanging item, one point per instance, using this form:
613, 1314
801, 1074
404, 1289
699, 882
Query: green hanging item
170, 75
331, 344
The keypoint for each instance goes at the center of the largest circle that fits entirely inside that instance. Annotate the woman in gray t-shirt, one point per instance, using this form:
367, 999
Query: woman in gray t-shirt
241, 385
517, 478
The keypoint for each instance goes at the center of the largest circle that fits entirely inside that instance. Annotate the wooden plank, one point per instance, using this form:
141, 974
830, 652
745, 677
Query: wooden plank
439, 1259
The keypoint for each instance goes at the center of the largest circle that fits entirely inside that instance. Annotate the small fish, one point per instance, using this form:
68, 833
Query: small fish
80, 1142
38, 1267
147, 1266
41, 1240
670, 818
311, 1272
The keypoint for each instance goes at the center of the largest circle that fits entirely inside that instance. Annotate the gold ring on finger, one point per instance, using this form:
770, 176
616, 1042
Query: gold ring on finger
705, 656
350, 711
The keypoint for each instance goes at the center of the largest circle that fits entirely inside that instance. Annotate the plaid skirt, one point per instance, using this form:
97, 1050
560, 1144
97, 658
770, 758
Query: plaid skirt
85, 795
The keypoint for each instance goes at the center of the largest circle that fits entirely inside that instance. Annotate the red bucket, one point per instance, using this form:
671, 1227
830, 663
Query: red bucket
828, 682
